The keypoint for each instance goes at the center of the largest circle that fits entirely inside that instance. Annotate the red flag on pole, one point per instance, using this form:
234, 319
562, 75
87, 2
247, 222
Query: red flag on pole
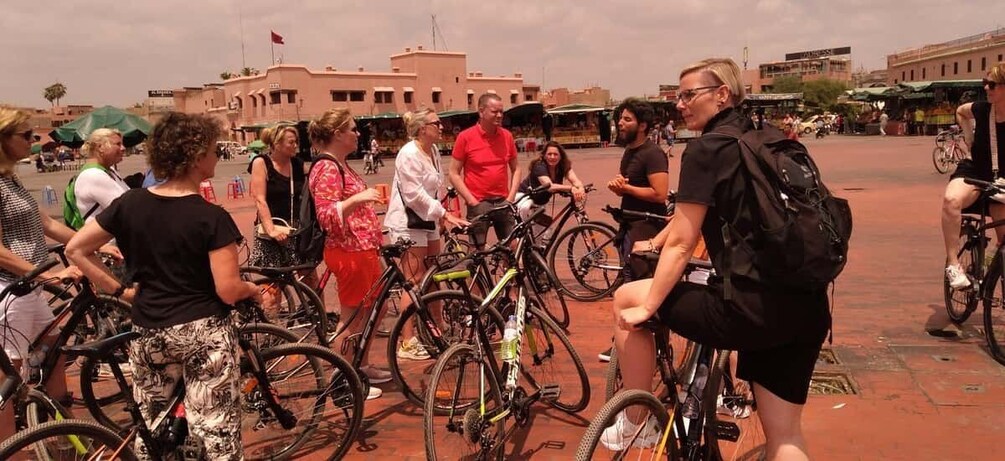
277, 39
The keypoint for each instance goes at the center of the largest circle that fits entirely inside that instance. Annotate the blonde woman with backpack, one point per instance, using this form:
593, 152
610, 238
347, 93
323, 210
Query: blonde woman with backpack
97, 184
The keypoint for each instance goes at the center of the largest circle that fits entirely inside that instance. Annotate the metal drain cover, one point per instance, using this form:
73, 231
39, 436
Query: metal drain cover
827, 357
831, 383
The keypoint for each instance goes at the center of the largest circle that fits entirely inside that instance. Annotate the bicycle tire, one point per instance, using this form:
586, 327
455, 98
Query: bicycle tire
413, 376
961, 303
299, 307
544, 285
941, 159
442, 433
53, 435
733, 429
591, 272
590, 446
108, 408
994, 309
328, 378
545, 366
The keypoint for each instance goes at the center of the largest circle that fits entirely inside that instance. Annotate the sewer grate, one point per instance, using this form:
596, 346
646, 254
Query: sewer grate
831, 383
827, 357
973, 388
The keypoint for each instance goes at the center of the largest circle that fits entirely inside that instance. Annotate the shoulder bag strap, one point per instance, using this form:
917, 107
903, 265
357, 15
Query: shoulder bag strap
993, 137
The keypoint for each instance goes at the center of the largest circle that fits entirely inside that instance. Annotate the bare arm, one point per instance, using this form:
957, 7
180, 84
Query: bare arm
965, 118
226, 277
80, 251
457, 180
656, 193
514, 184
259, 175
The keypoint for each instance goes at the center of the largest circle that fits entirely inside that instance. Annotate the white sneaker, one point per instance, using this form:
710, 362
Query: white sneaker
412, 350
376, 375
618, 435
957, 278
374, 393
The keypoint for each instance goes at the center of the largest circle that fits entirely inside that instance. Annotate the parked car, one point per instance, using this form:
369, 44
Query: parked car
810, 125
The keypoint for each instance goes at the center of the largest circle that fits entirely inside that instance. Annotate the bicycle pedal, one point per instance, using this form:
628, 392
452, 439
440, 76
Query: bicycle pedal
725, 430
550, 392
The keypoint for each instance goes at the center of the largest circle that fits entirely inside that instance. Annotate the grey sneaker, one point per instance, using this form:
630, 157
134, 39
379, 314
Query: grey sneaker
957, 278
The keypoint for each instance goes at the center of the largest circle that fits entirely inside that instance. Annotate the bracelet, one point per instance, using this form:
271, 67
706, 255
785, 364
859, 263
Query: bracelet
118, 293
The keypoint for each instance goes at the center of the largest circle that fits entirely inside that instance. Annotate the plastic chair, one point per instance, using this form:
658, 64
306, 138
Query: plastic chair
384, 190
240, 182
207, 191
234, 190
50, 195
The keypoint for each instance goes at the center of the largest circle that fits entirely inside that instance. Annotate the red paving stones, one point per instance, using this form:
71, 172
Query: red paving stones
919, 396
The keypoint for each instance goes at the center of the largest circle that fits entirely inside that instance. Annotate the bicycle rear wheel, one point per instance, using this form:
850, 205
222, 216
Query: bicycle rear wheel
994, 309
646, 436
69, 439
585, 262
295, 306
683, 354
462, 381
543, 283
732, 426
548, 361
961, 303
941, 159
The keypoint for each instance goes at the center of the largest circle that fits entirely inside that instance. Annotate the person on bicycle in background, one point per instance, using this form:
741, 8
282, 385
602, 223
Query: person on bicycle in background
777, 332
551, 168
185, 280
974, 120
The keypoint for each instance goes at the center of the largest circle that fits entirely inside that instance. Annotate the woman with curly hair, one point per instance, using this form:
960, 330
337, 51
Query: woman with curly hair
185, 276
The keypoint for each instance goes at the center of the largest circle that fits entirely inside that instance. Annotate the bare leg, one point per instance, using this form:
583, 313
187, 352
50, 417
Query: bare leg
782, 422
637, 344
958, 195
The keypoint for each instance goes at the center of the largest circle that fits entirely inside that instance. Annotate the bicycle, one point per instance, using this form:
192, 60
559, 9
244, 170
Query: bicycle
285, 388
461, 421
586, 259
948, 151
699, 410
987, 280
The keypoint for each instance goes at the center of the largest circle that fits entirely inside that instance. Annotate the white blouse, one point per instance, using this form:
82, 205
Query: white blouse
419, 181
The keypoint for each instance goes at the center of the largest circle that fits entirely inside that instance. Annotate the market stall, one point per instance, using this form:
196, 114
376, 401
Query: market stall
578, 125
454, 121
525, 122
388, 128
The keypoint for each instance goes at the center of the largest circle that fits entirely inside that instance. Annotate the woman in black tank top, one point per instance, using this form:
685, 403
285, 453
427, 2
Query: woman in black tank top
277, 180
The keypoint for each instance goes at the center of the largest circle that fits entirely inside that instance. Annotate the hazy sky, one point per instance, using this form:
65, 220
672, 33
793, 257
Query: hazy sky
112, 52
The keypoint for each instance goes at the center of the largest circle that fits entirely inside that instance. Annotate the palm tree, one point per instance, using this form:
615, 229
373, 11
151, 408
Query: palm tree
226, 75
249, 71
54, 92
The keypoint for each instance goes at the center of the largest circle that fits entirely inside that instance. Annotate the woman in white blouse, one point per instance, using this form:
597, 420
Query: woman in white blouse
98, 183
417, 182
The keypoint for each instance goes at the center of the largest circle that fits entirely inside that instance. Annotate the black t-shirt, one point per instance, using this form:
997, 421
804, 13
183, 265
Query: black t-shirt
980, 151
710, 175
277, 188
538, 169
636, 166
166, 242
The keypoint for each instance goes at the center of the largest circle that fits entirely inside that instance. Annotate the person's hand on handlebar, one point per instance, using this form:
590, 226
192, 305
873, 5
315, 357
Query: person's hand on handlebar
111, 250
57, 277
451, 221
578, 193
643, 246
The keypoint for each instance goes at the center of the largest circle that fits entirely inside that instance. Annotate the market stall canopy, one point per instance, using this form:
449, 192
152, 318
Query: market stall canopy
134, 128
381, 116
774, 96
933, 85
528, 108
574, 108
454, 113
874, 93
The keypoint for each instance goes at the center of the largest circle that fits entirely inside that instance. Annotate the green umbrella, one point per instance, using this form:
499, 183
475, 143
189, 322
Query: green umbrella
134, 129
36, 148
256, 145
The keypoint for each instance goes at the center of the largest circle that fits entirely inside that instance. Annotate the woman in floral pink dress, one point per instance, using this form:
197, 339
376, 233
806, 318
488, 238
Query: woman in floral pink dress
344, 207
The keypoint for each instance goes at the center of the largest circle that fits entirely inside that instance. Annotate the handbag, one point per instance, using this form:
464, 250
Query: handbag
280, 224
414, 221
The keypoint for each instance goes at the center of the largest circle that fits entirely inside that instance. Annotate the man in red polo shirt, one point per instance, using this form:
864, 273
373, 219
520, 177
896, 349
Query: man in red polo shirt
485, 170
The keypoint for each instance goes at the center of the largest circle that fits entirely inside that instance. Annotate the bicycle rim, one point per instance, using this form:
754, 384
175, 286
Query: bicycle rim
733, 428
586, 263
69, 439
961, 303
609, 438
994, 312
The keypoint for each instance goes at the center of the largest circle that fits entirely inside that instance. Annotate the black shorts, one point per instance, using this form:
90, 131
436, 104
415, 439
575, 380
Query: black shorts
776, 347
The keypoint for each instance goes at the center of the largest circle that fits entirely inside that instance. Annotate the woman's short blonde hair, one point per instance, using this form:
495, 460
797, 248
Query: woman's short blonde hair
997, 73
721, 71
10, 119
415, 121
270, 136
99, 138
180, 140
321, 129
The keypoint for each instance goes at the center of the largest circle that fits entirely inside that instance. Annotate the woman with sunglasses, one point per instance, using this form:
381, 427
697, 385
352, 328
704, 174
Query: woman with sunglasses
23, 229
416, 187
776, 332
344, 206
975, 120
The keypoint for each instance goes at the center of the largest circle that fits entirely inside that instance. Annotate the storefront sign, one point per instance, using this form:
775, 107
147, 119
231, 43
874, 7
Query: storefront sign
818, 53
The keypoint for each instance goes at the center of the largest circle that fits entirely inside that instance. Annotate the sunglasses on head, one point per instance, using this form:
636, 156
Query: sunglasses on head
991, 84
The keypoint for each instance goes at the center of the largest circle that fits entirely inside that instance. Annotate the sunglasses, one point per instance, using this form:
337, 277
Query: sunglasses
687, 96
436, 123
991, 84
28, 135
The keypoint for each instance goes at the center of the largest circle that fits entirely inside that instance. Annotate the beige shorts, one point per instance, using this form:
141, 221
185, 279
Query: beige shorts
419, 236
21, 320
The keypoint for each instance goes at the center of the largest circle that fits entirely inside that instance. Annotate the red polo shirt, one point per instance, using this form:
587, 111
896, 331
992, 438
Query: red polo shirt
486, 160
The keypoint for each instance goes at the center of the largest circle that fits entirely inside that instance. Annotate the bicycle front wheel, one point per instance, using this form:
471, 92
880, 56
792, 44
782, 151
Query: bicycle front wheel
463, 382
293, 305
961, 303
304, 378
994, 309
585, 262
550, 363
941, 159
69, 439
543, 284
732, 426
633, 425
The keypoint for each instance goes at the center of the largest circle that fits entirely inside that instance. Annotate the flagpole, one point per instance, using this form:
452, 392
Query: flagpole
273, 50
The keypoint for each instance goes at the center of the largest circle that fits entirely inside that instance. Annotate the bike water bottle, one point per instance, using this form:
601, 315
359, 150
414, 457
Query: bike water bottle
177, 427
509, 340
35, 359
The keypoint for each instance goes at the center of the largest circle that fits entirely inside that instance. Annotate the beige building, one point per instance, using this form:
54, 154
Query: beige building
760, 80
593, 96
417, 78
962, 59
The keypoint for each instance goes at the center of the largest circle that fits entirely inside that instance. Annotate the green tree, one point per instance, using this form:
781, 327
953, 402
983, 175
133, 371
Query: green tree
823, 93
226, 75
249, 71
787, 84
54, 92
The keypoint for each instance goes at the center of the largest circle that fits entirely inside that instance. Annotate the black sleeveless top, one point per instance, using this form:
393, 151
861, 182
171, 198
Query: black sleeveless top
277, 188
980, 151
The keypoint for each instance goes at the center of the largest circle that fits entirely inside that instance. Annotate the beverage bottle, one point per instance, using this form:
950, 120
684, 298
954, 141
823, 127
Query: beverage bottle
35, 359
508, 351
177, 427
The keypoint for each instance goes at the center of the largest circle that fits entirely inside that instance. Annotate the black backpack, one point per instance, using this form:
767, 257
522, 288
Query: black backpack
801, 231
310, 236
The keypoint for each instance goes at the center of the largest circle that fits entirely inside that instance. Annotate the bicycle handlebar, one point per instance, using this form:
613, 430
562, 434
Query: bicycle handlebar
622, 215
22, 286
985, 185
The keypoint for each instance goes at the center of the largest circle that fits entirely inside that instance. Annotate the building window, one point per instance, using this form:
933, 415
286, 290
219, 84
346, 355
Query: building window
956, 68
340, 96
903, 75
984, 64
943, 70
436, 97
357, 96
895, 81
471, 99
528, 97
408, 97
999, 58
513, 98
457, 80
383, 97
912, 75
924, 73
970, 67
275, 97
291, 97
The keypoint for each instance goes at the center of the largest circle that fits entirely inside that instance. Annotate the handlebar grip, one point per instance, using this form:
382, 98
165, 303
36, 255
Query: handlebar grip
38, 270
8, 385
